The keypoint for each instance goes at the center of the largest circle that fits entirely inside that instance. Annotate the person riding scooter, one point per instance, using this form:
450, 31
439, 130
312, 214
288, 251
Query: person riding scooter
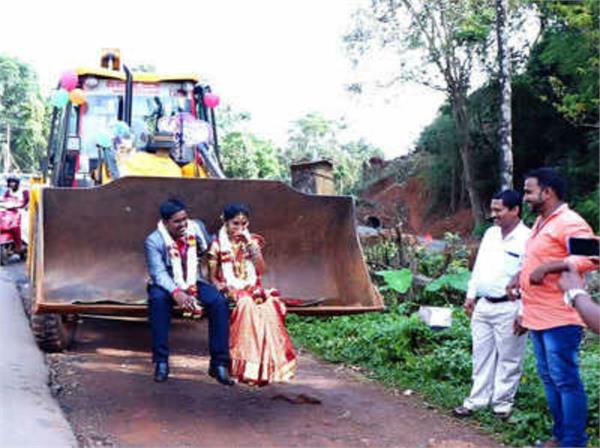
14, 200
15, 193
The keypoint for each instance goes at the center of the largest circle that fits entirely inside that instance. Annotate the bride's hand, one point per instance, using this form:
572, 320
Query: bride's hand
246, 235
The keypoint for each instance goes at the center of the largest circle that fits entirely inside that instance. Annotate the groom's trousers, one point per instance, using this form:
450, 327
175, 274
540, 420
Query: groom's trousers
160, 309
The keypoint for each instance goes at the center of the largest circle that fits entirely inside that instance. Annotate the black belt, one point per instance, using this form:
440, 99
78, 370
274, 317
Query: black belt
495, 299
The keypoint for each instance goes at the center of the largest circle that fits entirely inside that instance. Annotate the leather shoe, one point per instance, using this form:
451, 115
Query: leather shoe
550, 443
161, 372
462, 412
503, 415
221, 374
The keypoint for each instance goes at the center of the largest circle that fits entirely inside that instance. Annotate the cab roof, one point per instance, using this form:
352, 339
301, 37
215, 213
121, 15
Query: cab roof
137, 77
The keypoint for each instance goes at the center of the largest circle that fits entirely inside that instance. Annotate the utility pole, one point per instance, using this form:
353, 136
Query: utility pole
7, 159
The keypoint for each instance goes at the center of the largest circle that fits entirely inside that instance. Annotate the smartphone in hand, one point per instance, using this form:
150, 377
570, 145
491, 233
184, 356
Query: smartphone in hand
587, 247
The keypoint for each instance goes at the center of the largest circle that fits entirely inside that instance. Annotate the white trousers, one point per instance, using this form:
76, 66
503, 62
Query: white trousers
497, 356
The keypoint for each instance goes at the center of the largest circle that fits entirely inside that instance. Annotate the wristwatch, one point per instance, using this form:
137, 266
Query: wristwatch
569, 295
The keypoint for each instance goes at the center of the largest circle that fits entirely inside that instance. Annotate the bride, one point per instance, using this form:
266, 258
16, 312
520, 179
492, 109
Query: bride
260, 347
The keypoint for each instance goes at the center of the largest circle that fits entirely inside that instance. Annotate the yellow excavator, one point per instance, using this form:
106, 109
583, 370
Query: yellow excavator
137, 139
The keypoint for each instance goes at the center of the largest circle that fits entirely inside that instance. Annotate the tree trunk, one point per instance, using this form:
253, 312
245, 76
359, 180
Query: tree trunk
462, 201
461, 120
453, 185
505, 127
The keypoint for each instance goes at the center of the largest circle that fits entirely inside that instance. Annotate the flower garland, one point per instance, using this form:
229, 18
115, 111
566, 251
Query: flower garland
192, 255
247, 275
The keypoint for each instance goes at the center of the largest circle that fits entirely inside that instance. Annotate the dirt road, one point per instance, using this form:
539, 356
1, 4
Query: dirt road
104, 385
108, 394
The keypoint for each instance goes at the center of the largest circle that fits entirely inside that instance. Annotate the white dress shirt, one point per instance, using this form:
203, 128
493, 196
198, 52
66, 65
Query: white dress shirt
498, 260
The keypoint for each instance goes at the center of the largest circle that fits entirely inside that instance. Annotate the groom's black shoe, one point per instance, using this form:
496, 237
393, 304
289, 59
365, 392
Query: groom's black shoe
221, 374
161, 372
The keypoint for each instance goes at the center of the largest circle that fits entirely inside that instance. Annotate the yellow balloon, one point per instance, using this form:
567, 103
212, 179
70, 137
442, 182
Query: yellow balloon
77, 97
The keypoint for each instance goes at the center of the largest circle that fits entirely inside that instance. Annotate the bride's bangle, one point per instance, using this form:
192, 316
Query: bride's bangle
254, 249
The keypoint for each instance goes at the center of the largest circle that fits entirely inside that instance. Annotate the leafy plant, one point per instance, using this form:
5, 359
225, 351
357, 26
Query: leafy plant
382, 254
397, 280
458, 281
429, 263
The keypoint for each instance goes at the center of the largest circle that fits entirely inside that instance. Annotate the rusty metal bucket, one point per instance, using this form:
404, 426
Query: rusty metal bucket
88, 253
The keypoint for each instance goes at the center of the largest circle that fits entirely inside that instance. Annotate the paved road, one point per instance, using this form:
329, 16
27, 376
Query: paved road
29, 415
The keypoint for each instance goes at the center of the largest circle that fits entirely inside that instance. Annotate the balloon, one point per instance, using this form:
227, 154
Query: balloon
60, 98
103, 139
77, 97
211, 100
69, 80
121, 130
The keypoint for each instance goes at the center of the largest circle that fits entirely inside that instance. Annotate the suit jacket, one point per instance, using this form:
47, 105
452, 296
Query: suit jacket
159, 262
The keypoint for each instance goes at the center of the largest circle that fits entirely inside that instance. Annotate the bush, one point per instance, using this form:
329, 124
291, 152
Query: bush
588, 209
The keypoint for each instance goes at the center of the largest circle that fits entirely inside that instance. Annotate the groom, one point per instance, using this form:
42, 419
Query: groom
172, 256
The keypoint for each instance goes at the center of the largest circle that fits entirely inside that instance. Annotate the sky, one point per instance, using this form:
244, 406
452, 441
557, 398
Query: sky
276, 59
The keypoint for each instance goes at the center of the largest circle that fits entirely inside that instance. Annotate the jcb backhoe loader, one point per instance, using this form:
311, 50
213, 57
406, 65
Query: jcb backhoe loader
88, 225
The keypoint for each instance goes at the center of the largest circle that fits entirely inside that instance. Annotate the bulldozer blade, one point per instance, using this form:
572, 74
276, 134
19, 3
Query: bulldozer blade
89, 243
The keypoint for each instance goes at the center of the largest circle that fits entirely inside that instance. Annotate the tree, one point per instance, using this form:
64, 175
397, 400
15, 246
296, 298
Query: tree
246, 156
229, 120
313, 137
243, 154
543, 132
567, 59
22, 107
436, 44
505, 126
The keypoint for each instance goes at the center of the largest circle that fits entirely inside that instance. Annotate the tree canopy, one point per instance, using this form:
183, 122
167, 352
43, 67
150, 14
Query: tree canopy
548, 129
23, 109
310, 137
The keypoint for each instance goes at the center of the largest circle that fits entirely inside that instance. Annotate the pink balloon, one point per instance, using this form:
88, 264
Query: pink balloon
211, 100
69, 80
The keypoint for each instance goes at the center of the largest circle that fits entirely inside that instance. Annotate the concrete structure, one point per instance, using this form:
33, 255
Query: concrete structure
29, 415
313, 177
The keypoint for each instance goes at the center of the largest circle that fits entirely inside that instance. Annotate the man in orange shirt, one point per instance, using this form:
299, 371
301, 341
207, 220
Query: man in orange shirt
556, 328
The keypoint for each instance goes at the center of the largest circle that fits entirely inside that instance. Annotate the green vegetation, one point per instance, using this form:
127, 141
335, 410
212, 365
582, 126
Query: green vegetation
22, 109
555, 117
312, 137
397, 348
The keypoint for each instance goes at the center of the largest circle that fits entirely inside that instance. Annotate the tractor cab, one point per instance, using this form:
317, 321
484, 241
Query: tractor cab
118, 124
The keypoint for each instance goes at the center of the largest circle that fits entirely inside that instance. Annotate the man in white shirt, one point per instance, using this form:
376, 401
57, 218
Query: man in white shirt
497, 350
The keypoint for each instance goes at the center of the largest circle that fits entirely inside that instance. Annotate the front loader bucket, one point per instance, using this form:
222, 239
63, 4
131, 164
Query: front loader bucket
89, 251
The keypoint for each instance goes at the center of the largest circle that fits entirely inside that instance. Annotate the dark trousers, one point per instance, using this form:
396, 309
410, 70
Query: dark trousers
160, 308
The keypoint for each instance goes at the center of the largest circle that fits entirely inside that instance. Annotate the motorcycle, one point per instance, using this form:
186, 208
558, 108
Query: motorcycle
10, 232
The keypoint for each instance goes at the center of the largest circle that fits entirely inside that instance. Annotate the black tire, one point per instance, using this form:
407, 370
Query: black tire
53, 332
3, 254
24, 252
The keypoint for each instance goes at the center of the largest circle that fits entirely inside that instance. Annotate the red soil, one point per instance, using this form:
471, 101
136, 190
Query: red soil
411, 203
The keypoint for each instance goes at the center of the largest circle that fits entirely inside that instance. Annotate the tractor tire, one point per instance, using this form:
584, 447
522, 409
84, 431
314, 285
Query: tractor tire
53, 332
